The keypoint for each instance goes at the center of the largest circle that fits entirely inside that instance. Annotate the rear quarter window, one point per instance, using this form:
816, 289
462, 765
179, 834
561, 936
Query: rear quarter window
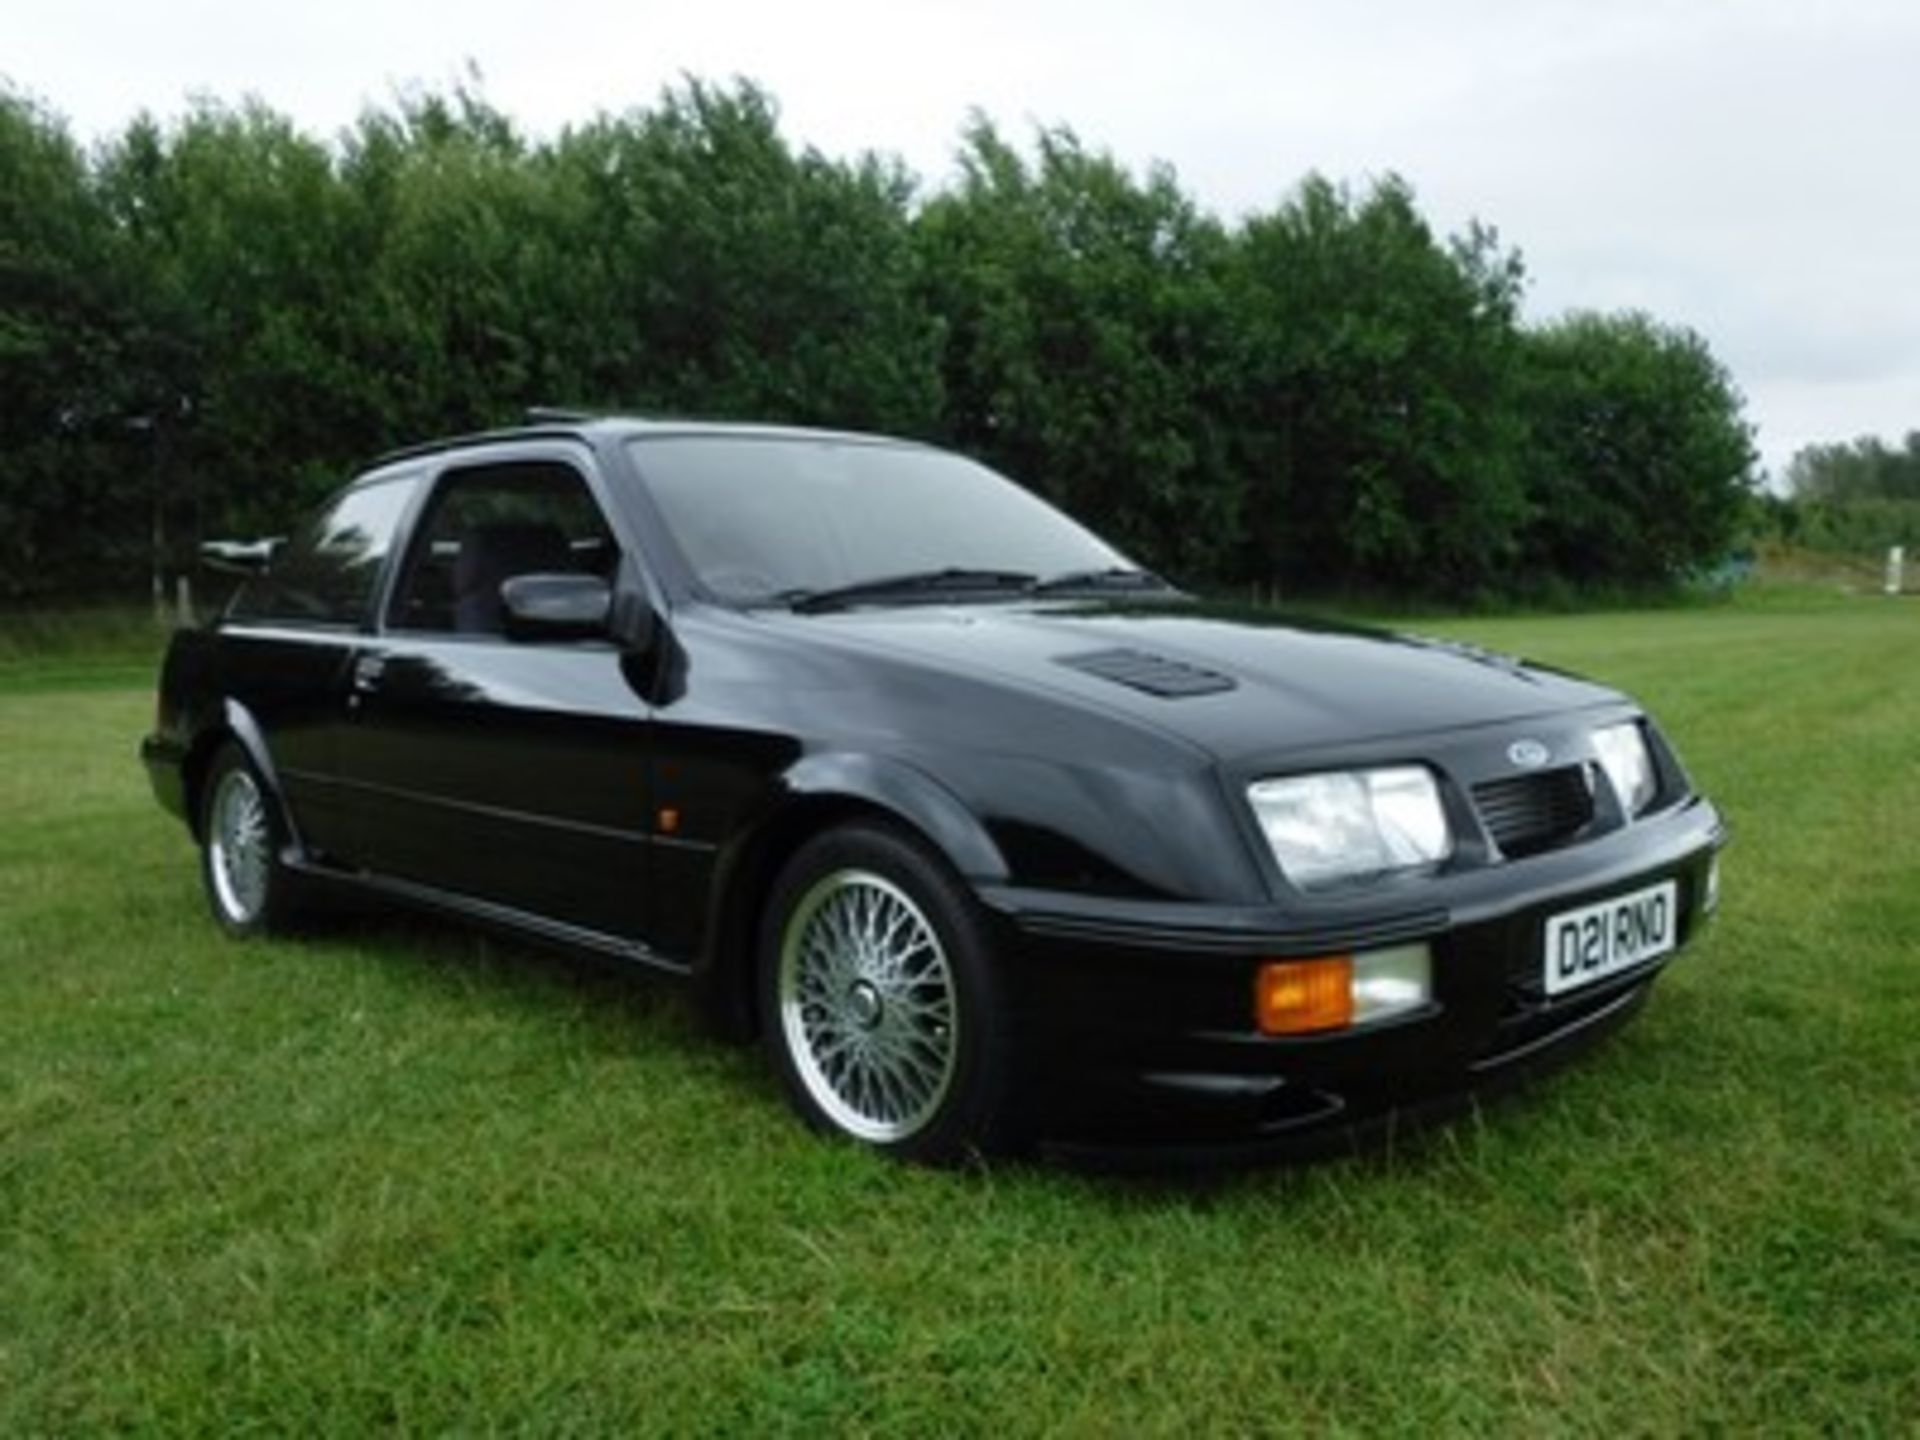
329, 569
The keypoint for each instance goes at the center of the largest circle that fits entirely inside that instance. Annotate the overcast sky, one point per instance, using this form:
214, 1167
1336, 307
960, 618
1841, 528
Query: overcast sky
1745, 167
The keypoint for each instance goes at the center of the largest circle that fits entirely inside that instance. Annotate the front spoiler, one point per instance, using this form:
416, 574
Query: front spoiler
1337, 1131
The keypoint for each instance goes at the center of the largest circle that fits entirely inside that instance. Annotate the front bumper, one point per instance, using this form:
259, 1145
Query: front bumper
1139, 1015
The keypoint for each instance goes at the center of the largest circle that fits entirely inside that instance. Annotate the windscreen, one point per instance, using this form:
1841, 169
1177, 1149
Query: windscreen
765, 518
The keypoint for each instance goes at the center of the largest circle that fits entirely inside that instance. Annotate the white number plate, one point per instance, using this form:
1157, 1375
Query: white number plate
1595, 941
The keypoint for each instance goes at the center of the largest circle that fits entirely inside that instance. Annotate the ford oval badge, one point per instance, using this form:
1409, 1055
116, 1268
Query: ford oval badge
1528, 754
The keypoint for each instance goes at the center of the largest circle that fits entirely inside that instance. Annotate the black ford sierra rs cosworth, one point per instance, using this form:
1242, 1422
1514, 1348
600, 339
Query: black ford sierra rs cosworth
992, 837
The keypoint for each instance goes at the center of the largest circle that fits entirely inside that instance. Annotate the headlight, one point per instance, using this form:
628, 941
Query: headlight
1354, 824
1623, 755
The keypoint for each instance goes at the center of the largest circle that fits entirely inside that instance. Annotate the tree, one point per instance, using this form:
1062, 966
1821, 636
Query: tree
1639, 459
244, 248
1372, 409
728, 275
1086, 340
1859, 496
1864, 469
73, 328
462, 313
206, 323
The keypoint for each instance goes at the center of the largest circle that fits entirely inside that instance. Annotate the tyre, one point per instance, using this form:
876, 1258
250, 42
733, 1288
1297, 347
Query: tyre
879, 1002
241, 837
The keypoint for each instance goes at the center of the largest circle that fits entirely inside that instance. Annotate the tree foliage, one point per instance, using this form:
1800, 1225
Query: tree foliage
1638, 459
208, 321
1861, 495
1372, 402
75, 337
1086, 330
1863, 469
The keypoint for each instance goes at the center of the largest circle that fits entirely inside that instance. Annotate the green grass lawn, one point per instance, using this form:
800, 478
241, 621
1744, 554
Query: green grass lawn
401, 1176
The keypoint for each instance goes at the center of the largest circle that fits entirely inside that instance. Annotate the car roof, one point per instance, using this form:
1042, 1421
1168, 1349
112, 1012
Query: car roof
557, 425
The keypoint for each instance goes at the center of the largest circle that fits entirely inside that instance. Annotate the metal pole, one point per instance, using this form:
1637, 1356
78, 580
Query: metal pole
159, 550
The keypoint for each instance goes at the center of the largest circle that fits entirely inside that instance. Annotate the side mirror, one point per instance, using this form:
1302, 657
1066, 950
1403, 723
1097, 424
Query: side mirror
556, 607
634, 625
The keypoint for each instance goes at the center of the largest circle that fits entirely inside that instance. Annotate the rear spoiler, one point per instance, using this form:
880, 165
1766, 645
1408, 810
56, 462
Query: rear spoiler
240, 557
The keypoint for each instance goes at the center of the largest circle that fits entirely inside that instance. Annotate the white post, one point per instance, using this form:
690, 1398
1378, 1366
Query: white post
1896, 568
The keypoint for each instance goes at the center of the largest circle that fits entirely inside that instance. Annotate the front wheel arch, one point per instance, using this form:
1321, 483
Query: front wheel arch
825, 789
725, 977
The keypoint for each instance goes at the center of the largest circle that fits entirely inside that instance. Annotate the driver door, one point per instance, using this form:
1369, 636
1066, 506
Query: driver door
507, 772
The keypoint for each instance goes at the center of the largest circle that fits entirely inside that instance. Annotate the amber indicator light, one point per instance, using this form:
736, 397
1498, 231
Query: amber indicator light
1298, 997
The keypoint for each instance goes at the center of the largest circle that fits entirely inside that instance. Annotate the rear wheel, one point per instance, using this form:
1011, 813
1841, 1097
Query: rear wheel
241, 835
880, 1005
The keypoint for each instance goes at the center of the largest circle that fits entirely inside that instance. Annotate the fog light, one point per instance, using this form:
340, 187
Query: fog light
1300, 997
1390, 982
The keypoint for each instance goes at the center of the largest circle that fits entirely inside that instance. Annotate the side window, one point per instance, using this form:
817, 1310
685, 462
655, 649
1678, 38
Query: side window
327, 571
487, 524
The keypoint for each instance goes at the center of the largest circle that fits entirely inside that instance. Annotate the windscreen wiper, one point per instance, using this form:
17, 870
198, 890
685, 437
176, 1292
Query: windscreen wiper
912, 584
1110, 577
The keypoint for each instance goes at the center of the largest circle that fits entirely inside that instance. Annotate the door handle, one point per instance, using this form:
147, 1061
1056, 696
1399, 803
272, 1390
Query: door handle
367, 670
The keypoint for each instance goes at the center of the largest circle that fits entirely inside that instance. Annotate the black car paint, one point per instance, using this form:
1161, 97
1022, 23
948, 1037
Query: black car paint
633, 794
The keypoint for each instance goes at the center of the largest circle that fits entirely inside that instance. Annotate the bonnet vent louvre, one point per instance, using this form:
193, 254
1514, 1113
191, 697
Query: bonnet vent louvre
1149, 674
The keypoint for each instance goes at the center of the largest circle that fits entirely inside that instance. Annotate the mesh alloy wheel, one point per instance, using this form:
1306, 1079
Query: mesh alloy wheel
239, 847
249, 888
867, 1006
881, 998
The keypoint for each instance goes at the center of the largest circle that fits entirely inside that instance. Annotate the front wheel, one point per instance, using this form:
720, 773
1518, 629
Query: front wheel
241, 834
879, 1001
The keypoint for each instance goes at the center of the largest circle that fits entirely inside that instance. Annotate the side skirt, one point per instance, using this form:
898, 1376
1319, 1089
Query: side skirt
524, 923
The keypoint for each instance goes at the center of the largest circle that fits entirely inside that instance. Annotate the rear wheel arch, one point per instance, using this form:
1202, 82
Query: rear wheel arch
193, 773
243, 845
234, 724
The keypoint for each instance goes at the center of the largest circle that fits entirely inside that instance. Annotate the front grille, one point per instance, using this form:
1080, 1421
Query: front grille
1526, 814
